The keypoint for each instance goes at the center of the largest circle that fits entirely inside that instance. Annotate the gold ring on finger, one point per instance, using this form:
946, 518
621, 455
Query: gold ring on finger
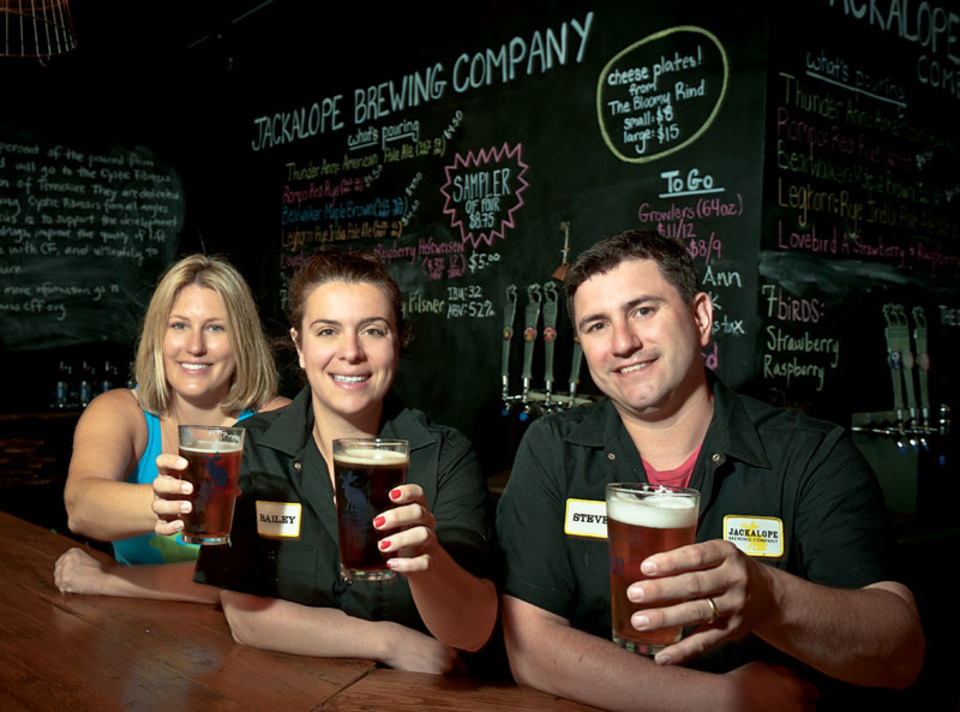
714, 612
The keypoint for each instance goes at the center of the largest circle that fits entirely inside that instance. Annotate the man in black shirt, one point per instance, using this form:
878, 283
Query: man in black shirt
822, 594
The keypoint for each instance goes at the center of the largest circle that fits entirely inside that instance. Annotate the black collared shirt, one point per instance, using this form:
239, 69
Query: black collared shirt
281, 464
757, 464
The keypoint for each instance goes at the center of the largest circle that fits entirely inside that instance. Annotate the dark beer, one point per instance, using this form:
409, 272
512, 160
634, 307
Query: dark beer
213, 468
363, 478
638, 527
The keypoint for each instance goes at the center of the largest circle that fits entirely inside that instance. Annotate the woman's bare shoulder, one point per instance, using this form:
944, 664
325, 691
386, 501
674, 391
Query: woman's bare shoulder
111, 432
116, 409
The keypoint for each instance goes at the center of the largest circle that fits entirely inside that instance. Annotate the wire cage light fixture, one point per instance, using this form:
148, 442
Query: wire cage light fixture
36, 28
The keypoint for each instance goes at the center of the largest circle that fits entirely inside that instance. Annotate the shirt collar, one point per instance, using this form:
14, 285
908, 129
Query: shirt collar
293, 428
731, 431
599, 425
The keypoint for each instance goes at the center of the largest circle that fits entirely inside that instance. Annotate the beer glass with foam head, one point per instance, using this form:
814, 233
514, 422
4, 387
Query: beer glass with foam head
642, 520
364, 472
213, 457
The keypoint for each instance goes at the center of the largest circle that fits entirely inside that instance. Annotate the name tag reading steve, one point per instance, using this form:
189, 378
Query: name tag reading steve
586, 518
278, 519
755, 536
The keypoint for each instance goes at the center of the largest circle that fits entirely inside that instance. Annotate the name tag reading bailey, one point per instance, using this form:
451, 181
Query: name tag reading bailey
754, 536
586, 517
278, 519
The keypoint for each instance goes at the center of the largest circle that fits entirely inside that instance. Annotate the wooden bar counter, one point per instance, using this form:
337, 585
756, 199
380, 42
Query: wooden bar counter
69, 652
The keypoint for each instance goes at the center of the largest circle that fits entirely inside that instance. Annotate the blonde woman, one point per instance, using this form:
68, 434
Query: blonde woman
202, 359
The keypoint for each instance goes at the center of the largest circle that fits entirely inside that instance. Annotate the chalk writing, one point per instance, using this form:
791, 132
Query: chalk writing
927, 25
481, 260
540, 52
468, 302
304, 122
727, 326
721, 278
443, 266
483, 192
661, 93
416, 303
330, 189
788, 356
82, 239
405, 130
451, 130
706, 248
692, 184
519, 56
784, 307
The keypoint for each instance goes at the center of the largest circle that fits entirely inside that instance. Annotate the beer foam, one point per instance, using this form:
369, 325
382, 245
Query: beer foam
203, 447
658, 511
362, 456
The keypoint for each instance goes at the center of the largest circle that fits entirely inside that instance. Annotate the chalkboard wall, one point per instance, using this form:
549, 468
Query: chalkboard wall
83, 236
860, 233
470, 157
478, 155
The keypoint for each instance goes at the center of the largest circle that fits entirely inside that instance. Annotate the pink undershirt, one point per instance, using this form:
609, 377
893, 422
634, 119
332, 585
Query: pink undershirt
679, 477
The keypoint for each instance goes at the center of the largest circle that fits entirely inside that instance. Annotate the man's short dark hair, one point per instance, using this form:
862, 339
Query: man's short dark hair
673, 260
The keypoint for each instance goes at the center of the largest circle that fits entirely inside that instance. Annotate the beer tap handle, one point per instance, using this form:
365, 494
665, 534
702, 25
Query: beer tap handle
531, 321
907, 360
509, 314
575, 360
560, 272
923, 362
549, 335
894, 349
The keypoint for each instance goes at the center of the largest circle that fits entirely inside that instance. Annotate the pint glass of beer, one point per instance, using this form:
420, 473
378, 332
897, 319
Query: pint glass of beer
642, 520
213, 456
364, 472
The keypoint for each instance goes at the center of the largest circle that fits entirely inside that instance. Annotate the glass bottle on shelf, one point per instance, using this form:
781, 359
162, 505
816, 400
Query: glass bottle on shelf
87, 378
109, 377
61, 389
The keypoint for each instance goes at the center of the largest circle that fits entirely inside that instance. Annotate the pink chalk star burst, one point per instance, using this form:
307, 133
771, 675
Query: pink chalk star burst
483, 192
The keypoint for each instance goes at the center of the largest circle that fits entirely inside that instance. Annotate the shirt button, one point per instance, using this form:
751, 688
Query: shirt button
611, 456
717, 458
297, 466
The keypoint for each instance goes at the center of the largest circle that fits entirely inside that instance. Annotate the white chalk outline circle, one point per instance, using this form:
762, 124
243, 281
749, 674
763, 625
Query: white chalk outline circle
706, 124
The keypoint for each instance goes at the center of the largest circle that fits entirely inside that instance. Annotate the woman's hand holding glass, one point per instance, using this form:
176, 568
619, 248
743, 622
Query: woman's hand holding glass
408, 528
170, 494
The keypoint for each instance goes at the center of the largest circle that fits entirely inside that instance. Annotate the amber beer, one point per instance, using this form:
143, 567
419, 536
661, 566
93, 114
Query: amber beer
365, 470
643, 520
213, 456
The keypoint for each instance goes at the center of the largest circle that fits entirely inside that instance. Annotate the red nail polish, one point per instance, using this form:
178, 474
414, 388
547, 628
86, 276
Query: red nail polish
378, 521
385, 544
394, 494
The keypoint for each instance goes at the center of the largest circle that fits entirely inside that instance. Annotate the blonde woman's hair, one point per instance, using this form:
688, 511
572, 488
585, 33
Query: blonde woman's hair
254, 382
